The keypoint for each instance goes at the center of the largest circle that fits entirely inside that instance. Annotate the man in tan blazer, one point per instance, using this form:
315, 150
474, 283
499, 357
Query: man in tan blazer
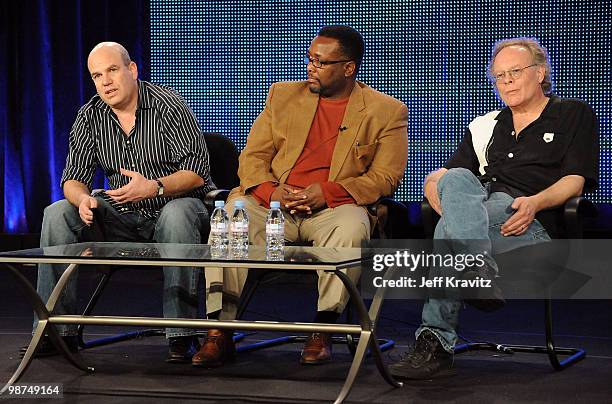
325, 148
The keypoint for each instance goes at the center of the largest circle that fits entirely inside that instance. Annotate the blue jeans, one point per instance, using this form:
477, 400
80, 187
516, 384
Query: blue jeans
470, 212
180, 221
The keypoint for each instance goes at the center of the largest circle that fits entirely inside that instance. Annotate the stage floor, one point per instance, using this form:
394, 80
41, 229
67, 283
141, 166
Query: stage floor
135, 371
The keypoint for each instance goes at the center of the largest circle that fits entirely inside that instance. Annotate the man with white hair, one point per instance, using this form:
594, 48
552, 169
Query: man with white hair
151, 148
511, 168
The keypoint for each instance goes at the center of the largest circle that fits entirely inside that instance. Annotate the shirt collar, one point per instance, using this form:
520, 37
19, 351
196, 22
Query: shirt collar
551, 110
144, 96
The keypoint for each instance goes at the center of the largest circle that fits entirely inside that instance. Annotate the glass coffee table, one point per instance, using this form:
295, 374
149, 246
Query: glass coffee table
193, 255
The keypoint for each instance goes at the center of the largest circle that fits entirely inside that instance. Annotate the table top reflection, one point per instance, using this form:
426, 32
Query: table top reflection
158, 253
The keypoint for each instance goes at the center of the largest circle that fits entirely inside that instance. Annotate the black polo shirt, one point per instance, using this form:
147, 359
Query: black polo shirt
564, 140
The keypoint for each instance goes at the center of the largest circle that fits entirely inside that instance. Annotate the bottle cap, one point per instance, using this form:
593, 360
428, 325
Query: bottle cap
274, 204
239, 204
219, 204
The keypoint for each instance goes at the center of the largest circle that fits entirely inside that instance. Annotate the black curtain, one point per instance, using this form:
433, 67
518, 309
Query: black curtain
43, 81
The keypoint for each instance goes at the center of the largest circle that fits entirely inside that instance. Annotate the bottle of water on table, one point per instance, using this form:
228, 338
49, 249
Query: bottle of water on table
275, 232
219, 226
239, 231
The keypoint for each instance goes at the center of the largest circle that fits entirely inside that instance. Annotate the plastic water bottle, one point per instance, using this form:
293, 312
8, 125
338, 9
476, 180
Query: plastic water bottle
219, 223
275, 232
239, 231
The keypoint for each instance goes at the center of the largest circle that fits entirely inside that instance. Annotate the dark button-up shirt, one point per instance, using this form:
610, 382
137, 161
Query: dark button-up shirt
564, 140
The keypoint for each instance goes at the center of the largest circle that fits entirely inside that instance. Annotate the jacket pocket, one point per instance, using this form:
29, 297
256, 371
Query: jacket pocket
364, 155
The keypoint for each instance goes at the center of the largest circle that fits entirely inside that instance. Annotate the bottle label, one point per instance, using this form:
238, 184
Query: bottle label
239, 227
217, 227
274, 228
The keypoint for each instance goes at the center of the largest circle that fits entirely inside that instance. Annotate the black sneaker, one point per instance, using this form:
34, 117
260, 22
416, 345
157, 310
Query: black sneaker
487, 296
46, 347
426, 359
182, 349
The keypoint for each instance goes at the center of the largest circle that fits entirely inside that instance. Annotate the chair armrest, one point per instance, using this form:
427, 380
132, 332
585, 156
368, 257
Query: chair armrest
575, 210
392, 219
214, 195
380, 208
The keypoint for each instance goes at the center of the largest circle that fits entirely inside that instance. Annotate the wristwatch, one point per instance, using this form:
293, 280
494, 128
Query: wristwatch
160, 188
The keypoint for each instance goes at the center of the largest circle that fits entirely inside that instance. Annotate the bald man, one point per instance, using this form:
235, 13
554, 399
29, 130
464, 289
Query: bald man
150, 146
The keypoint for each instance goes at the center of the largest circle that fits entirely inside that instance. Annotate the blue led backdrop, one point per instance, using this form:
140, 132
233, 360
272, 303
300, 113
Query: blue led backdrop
223, 55
432, 55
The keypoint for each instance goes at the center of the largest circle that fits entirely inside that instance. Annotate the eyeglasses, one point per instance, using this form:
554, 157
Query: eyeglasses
514, 73
319, 64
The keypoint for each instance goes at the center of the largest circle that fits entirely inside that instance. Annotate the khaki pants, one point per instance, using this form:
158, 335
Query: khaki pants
343, 226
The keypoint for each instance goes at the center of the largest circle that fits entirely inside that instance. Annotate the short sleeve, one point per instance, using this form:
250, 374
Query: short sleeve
464, 156
582, 156
81, 160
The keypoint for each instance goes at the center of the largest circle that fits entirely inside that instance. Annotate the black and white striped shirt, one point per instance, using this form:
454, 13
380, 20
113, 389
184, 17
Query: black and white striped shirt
166, 138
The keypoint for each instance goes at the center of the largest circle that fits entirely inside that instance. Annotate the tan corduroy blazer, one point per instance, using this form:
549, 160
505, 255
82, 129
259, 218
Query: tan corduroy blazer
370, 155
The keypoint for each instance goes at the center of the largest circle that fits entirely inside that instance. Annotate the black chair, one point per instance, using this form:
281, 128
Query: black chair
570, 218
223, 161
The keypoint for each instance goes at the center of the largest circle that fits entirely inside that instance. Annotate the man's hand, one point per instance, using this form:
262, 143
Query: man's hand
285, 194
85, 206
136, 190
430, 189
308, 200
526, 207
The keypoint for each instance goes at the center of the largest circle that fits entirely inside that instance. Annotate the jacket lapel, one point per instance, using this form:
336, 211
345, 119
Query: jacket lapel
352, 121
298, 128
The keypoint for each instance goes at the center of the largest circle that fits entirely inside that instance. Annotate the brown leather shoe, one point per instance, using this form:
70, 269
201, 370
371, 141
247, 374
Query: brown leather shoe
218, 347
317, 350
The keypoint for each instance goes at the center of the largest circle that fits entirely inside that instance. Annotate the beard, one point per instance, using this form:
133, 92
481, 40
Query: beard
315, 89
322, 91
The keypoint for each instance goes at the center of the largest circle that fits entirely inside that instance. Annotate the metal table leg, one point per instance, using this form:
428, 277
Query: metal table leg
43, 312
364, 341
27, 358
375, 308
368, 336
54, 336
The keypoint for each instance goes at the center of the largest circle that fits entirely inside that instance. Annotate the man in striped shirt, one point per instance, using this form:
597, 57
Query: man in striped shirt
150, 146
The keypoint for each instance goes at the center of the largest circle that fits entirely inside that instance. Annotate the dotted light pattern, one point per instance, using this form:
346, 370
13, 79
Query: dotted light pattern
222, 56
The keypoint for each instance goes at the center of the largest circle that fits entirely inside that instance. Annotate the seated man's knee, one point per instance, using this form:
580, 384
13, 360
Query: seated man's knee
249, 202
353, 232
352, 223
231, 201
183, 210
181, 220
457, 177
58, 211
